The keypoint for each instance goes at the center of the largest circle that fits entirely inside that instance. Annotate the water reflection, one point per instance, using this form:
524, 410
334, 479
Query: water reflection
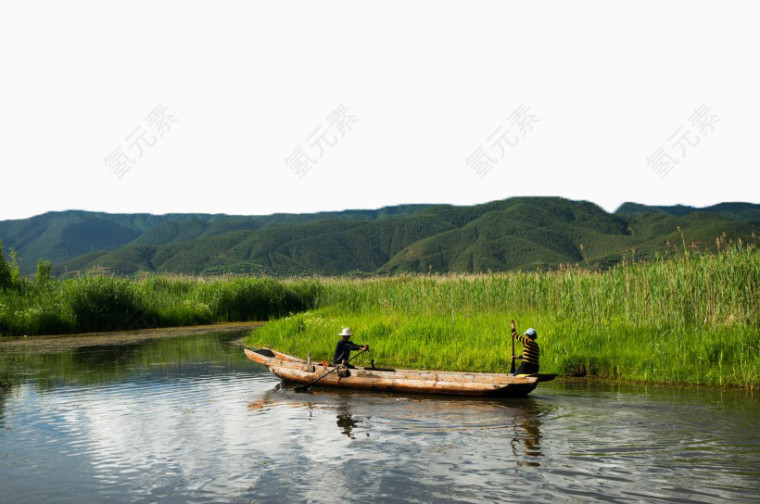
192, 420
527, 434
354, 413
5, 388
99, 364
346, 421
285, 396
431, 444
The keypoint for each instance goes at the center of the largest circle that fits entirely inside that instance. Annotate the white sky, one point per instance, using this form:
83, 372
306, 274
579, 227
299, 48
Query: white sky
428, 83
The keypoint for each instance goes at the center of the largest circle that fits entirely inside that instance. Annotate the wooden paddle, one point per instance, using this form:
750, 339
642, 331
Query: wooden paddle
303, 388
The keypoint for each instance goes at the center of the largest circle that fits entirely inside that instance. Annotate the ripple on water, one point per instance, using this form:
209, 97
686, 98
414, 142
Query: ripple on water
210, 432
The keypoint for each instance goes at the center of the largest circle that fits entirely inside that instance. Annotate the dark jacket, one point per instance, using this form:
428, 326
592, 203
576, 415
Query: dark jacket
343, 351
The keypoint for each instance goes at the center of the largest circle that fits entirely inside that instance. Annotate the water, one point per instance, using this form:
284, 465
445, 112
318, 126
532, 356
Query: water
191, 420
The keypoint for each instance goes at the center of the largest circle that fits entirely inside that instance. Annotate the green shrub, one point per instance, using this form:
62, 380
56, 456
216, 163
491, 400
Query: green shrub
106, 304
256, 299
43, 271
6, 275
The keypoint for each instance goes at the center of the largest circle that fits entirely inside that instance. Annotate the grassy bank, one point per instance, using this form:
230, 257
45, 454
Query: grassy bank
690, 319
693, 319
110, 304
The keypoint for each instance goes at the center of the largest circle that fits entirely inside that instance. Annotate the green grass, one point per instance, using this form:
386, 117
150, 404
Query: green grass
692, 318
689, 320
106, 304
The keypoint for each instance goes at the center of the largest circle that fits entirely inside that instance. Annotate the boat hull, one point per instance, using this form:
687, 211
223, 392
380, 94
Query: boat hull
292, 369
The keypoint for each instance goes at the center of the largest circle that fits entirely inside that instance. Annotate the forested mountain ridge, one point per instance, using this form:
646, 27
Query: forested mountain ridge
516, 233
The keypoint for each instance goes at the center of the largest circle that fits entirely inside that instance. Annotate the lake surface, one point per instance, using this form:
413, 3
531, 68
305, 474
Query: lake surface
189, 419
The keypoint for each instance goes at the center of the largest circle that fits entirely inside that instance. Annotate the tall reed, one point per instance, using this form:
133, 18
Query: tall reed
104, 304
692, 319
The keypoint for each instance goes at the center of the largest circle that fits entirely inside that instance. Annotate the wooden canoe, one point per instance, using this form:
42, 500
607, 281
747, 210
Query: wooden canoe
293, 369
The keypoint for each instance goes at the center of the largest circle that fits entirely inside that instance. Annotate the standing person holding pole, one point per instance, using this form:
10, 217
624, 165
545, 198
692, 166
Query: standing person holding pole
530, 353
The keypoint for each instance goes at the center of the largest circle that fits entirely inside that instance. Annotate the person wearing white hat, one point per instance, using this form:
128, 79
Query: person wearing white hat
344, 347
531, 352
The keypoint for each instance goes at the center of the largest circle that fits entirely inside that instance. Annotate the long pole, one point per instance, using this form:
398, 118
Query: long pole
512, 367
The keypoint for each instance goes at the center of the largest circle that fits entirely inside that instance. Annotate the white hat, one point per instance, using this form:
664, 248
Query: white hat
346, 332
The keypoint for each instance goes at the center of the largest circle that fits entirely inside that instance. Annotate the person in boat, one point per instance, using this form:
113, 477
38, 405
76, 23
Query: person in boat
531, 352
344, 347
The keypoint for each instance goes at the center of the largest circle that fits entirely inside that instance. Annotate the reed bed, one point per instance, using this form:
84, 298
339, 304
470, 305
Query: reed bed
688, 320
691, 319
107, 304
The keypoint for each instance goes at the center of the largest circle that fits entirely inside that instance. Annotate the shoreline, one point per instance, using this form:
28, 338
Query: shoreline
57, 342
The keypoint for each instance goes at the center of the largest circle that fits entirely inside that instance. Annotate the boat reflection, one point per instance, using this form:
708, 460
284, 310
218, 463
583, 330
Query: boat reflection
514, 421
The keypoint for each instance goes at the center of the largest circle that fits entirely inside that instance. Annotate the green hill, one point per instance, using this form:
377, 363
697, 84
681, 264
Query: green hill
526, 232
74, 234
742, 212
